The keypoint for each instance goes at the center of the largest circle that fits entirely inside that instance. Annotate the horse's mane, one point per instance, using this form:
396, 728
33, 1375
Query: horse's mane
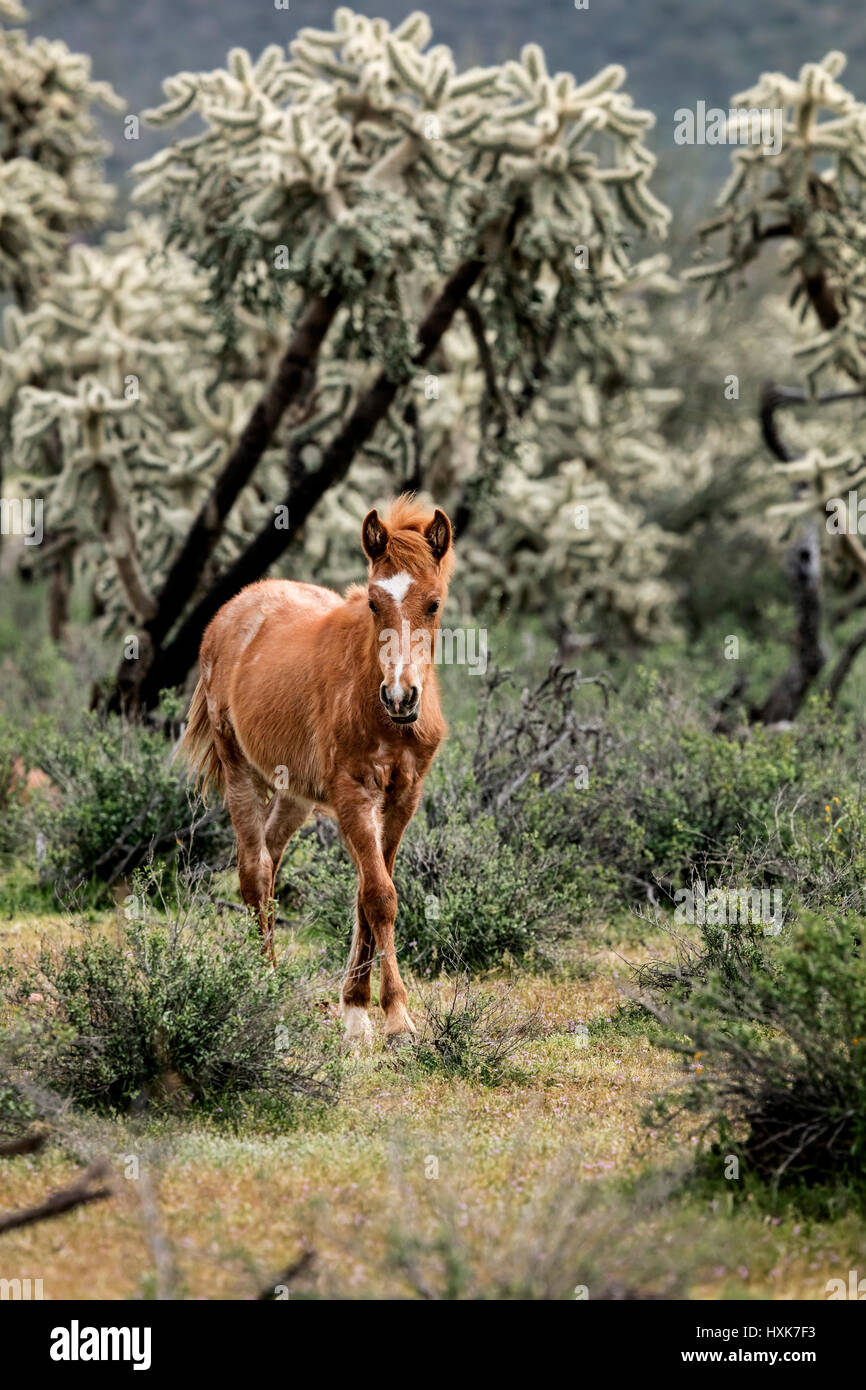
406, 521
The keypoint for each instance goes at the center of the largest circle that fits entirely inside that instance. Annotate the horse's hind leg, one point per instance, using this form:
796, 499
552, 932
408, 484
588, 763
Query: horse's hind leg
245, 793
284, 816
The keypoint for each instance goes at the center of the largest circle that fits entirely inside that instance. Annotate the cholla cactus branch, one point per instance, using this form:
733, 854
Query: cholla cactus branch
50, 155
788, 193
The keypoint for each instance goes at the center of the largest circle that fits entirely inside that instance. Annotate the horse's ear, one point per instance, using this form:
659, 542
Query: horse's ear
374, 536
438, 534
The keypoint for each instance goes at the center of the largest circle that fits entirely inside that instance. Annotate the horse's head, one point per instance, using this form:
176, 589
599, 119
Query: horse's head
410, 564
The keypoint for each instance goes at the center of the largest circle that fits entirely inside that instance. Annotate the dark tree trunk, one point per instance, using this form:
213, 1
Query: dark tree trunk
58, 599
804, 574
296, 364
844, 663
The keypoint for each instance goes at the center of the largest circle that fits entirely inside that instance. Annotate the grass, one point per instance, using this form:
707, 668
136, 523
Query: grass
545, 1182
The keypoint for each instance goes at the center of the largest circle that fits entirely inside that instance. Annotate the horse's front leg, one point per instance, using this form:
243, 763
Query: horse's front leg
361, 824
355, 994
400, 806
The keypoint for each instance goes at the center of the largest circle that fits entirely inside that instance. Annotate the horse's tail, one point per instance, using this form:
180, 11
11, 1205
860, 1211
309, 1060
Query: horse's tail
198, 747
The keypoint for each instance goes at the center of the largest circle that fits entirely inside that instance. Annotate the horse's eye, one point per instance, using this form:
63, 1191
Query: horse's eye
373, 608
434, 607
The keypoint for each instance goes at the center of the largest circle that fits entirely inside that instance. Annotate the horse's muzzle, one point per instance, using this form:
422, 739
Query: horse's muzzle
404, 718
403, 710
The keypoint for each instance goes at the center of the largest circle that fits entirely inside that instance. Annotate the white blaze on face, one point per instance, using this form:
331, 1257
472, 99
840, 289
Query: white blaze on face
397, 587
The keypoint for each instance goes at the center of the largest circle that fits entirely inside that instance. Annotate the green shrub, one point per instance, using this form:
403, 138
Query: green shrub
12, 834
117, 799
170, 1008
778, 1054
471, 1033
666, 802
669, 801
16, 1111
511, 851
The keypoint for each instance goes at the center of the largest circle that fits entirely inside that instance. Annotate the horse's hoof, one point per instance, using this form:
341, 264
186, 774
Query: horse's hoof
400, 1040
359, 1029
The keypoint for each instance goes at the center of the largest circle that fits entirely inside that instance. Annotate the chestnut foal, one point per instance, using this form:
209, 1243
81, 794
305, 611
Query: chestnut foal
308, 701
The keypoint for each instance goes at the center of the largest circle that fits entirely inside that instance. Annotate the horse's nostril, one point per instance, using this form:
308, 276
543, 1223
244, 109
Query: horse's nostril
399, 703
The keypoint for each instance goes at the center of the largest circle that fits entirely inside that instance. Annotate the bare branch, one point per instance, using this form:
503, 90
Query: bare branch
64, 1199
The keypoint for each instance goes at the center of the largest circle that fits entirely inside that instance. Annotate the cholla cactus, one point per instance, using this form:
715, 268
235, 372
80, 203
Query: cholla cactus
34, 207
50, 183
369, 160
349, 148
116, 375
374, 163
363, 165
810, 194
805, 192
824, 483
